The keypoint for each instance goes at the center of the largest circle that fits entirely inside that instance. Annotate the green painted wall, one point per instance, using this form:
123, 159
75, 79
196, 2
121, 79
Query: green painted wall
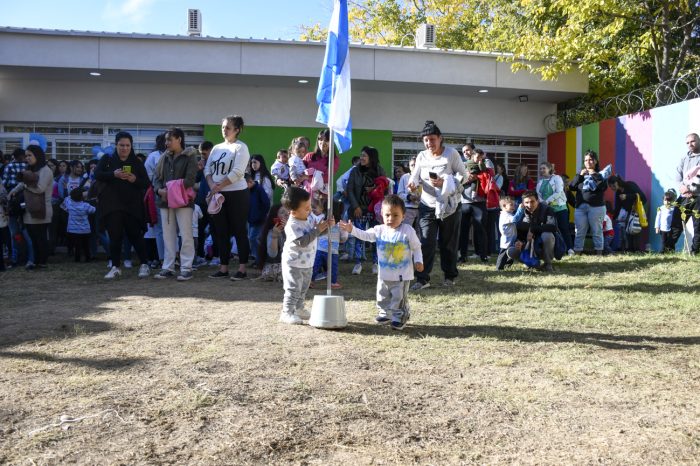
590, 138
267, 140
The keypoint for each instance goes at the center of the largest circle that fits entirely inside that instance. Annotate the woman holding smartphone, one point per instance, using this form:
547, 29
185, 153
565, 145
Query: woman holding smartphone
431, 164
120, 203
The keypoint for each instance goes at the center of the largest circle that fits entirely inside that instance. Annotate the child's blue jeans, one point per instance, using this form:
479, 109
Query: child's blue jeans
320, 264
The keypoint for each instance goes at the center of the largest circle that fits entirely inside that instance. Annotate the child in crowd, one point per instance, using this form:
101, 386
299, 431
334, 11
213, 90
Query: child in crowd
338, 237
297, 151
608, 229
257, 213
196, 216
318, 211
280, 169
666, 224
78, 228
398, 248
298, 254
508, 230
270, 250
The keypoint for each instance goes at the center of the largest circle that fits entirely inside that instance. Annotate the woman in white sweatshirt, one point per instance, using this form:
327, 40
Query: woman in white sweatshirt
224, 172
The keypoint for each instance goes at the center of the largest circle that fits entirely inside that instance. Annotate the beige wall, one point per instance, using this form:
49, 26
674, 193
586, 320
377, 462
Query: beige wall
102, 101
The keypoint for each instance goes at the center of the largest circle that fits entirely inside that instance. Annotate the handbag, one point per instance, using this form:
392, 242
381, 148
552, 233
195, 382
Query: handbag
634, 227
639, 207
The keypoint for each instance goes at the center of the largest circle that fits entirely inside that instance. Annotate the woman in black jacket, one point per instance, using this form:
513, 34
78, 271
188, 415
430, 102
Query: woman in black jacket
589, 186
360, 184
120, 202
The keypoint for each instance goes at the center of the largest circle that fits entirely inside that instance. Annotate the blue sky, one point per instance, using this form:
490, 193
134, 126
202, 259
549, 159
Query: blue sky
259, 19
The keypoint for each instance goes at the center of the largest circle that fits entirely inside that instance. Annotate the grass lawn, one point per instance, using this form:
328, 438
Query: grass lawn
597, 363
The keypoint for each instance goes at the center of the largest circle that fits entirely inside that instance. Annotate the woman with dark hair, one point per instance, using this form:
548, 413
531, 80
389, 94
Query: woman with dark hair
501, 177
433, 167
589, 186
174, 176
37, 184
224, 172
261, 175
61, 169
318, 159
120, 202
360, 184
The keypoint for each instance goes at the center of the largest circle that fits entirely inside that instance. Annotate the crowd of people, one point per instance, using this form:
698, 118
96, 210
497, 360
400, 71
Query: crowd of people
180, 208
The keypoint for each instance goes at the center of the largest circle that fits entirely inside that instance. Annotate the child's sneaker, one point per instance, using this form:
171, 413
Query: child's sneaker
291, 319
321, 276
382, 319
214, 262
184, 276
357, 270
128, 264
303, 314
163, 274
400, 323
343, 257
239, 276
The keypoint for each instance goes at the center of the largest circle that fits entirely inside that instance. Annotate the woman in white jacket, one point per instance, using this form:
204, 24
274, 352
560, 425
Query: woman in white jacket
550, 191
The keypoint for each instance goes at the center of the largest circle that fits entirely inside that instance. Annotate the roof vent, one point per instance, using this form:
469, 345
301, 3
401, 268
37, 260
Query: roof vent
425, 36
194, 23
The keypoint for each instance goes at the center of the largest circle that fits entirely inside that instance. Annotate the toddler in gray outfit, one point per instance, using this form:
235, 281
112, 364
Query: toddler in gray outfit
298, 254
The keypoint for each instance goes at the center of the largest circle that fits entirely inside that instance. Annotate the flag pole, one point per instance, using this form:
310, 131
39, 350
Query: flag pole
329, 264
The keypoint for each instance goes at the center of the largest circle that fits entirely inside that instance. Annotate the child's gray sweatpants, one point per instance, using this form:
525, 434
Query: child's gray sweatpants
392, 298
296, 283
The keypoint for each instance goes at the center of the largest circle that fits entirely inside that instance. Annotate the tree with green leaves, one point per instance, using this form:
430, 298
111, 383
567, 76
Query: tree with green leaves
620, 44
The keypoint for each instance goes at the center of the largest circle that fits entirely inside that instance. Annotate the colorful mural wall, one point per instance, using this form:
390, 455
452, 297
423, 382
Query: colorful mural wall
643, 147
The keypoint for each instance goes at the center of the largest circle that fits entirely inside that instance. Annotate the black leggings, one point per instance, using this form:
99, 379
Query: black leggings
232, 220
80, 242
119, 223
39, 233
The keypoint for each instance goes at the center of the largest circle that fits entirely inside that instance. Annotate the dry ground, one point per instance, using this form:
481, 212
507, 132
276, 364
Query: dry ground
599, 363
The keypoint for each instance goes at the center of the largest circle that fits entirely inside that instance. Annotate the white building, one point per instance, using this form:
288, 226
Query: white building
149, 82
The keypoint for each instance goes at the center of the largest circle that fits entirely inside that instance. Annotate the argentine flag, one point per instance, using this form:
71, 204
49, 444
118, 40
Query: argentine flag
333, 96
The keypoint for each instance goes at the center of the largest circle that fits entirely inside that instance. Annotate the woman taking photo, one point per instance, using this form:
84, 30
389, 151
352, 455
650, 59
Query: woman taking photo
178, 165
432, 164
360, 185
550, 191
224, 172
589, 186
318, 159
37, 184
120, 202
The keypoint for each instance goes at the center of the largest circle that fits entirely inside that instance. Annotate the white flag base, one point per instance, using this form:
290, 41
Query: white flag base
328, 312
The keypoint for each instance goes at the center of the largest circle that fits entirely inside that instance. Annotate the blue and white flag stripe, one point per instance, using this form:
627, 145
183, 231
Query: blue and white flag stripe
333, 96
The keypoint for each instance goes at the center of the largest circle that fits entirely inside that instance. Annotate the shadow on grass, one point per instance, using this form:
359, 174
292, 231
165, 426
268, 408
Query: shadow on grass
524, 334
105, 364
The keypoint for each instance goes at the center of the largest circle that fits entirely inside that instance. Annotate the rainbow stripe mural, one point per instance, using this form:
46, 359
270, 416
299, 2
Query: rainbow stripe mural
642, 147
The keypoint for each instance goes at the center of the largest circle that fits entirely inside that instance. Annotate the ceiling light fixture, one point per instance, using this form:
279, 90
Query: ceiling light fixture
522, 98
483, 91
303, 81
95, 73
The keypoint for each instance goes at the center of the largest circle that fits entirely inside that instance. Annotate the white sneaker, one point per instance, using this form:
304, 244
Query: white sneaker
571, 252
214, 262
291, 319
144, 271
343, 257
357, 270
109, 264
113, 273
374, 269
303, 314
128, 264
